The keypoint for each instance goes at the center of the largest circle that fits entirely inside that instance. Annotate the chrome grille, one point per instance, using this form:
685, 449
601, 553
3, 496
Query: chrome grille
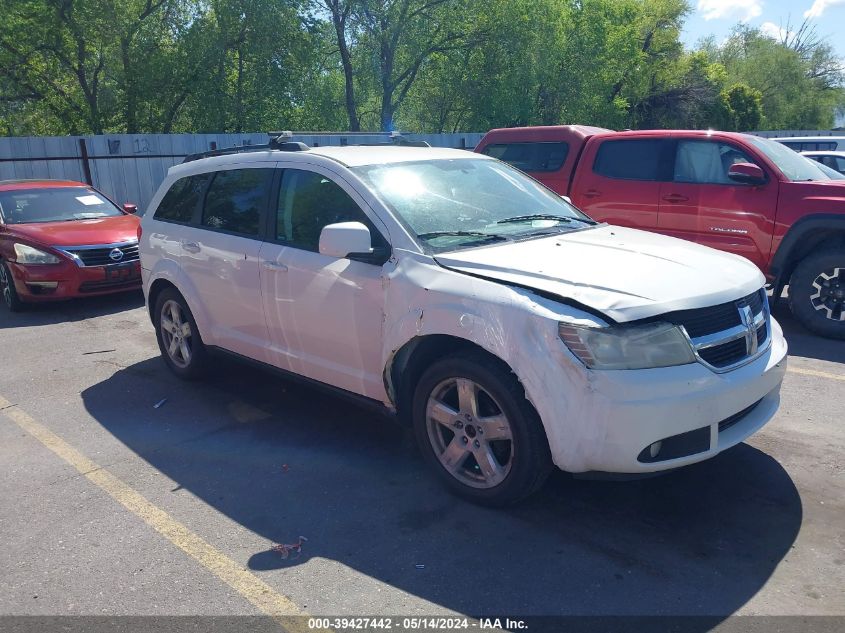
103, 254
726, 354
728, 335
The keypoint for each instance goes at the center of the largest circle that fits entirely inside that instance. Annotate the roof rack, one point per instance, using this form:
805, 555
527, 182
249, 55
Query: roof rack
281, 141
393, 138
278, 141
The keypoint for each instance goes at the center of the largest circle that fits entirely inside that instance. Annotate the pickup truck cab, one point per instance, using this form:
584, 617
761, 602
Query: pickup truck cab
735, 192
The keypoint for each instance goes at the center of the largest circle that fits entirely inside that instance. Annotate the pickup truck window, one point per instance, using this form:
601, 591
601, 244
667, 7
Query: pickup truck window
633, 159
793, 166
706, 162
833, 173
532, 157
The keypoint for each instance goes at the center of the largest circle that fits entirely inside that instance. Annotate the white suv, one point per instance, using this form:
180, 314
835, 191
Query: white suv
511, 330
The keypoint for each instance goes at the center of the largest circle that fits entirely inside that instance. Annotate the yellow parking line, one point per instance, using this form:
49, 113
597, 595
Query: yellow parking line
817, 374
258, 592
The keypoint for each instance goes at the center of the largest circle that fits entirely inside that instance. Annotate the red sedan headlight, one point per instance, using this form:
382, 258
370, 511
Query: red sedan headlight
30, 255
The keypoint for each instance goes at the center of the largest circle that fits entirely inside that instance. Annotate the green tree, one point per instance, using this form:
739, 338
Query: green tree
800, 85
740, 108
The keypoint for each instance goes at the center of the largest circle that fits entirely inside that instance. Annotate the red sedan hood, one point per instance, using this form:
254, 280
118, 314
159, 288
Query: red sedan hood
123, 228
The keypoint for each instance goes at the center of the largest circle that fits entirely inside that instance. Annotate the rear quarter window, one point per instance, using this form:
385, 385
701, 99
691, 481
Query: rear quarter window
536, 157
634, 159
182, 199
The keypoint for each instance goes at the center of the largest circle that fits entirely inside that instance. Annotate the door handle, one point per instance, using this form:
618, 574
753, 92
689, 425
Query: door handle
675, 197
274, 266
191, 247
592, 193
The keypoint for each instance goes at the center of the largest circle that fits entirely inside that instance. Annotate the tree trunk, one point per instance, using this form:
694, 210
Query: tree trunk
239, 97
386, 115
339, 21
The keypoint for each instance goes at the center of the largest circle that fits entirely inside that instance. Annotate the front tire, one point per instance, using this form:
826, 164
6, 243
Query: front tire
7, 286
817, 292
478, 432
178, 336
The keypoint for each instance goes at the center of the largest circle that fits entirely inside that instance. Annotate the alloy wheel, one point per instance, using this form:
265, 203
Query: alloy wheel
469, 432
176, 333
829, 296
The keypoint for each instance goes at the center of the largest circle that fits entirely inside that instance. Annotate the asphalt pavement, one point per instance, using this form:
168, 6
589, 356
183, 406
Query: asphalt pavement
111, 505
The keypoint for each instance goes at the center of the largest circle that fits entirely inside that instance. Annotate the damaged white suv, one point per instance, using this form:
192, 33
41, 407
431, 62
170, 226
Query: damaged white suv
512, 331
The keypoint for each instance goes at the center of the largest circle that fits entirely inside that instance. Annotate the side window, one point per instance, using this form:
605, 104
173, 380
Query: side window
634, 159
794, 146
234, 200
181, 200
530, 156
308, 201
828, 161
706, 162
840, 164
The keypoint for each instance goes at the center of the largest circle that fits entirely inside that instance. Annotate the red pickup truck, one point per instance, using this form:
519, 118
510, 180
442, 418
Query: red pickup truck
734, 192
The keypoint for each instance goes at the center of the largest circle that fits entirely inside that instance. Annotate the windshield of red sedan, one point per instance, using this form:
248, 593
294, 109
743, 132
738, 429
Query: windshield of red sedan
54, 204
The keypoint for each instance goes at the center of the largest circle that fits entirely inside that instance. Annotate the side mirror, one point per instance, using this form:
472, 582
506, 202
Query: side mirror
746, 173
345, 238
128, 207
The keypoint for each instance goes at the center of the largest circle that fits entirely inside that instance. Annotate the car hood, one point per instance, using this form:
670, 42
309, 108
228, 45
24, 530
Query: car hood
623, 273
821, 189
112, 230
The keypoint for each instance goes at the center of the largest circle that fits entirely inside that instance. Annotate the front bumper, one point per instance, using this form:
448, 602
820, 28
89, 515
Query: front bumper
621, 414
66, 280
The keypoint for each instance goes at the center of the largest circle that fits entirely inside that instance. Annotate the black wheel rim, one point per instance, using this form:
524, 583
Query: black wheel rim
828, 296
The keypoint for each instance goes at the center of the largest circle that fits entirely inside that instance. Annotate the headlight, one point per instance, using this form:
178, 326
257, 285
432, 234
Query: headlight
628, 347
29, 255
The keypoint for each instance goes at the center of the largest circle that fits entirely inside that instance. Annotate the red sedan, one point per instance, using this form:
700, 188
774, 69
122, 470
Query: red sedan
61, 239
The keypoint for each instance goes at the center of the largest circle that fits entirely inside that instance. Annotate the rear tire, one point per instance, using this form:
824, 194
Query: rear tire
7, 286
178, 336
478, 432
817, 292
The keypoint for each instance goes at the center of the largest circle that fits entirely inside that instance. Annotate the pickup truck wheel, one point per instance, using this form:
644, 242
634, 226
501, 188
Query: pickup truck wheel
178, 336
478, 432
817, 293
7, 286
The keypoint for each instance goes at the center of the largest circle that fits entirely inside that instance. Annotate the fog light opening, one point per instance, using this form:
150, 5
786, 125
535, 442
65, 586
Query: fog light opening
654, 449
42, 287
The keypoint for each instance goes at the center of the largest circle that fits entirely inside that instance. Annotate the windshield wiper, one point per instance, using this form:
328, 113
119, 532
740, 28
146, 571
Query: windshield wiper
433, 234
543, 216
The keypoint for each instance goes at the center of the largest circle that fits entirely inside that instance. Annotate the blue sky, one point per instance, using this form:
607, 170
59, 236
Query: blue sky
718, 17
